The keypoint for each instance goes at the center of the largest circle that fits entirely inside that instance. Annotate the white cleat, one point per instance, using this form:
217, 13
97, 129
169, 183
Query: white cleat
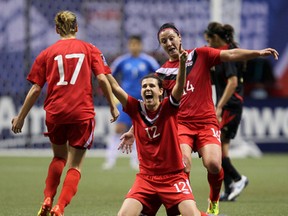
238, 187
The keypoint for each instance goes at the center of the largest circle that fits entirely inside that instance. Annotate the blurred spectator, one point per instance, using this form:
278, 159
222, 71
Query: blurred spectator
259, 80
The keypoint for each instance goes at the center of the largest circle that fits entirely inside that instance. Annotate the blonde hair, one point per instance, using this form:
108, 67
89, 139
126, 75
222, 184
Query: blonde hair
66, 23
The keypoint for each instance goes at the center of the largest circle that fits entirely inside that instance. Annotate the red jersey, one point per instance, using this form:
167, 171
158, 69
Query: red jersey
67, 68
196, 102
156, 136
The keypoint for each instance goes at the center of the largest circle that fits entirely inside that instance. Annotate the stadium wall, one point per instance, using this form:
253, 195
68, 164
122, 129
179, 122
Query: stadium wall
264, 122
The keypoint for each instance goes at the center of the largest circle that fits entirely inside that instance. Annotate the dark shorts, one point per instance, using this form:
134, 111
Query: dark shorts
230, 122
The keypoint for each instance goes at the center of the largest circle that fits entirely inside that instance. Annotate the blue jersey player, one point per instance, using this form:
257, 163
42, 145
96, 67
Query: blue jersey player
128, 70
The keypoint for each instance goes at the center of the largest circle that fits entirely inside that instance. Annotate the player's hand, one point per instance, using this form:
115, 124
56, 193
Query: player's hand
268, 52
183, 55
17, 124
127, 140
115, 114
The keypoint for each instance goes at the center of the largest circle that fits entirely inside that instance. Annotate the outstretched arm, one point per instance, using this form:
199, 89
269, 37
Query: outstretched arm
127, 138
106, 88
32, 96
177, 90
244, 54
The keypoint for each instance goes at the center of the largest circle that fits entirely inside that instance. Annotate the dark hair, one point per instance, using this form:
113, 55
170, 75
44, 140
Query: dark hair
154, 76
225, 32
168, 25
135, 37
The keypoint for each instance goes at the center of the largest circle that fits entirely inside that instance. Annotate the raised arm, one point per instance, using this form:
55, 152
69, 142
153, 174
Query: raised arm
106, 88
32, 96
120, 94
244, 54
177, 90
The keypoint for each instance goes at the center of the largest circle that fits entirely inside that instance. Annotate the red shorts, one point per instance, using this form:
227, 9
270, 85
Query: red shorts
169, 190
197, 135
78, 135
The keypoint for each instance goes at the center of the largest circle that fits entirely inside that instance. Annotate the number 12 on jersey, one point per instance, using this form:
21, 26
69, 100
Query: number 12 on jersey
59, 59
183, 187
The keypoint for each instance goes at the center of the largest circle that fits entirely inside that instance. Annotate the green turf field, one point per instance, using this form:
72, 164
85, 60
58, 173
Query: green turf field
101, 192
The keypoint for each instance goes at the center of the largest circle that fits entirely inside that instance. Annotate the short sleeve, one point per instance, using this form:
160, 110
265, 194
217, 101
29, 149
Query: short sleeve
99, 64
37, 73
131, 106
211, 55
230, 69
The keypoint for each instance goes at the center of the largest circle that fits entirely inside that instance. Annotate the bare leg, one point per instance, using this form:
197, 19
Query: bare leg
130, 207
212, 159
188, 208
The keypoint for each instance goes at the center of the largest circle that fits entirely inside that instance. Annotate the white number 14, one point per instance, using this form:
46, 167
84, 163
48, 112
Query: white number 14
59, 60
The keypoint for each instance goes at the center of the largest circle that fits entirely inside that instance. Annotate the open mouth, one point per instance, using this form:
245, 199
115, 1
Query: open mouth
172, 49
148, 95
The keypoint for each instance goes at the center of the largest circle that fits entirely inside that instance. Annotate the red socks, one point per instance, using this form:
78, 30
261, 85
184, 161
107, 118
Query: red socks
70, 184
215, 182
53, 178
69, 188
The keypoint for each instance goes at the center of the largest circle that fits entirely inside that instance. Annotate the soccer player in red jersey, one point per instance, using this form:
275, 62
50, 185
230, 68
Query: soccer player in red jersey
228, 80
67, 68
197, 124
198, 128
161, 179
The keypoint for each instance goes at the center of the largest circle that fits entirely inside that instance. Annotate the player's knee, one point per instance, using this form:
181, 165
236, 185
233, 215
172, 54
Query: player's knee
123, 212
120, 213
188, 207
213, 166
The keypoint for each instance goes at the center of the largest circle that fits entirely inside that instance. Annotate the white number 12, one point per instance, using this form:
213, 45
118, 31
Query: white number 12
59, 60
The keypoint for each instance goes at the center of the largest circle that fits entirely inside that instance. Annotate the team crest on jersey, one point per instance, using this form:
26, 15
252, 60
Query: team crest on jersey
189, 61
104, 60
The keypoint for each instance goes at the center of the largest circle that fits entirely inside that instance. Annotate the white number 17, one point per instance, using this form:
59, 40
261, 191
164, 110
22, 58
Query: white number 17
59, 60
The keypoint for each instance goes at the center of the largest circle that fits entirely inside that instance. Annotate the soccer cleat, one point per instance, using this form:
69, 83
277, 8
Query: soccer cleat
224, 197
46, 207
213, 208
237, 187
56, 211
